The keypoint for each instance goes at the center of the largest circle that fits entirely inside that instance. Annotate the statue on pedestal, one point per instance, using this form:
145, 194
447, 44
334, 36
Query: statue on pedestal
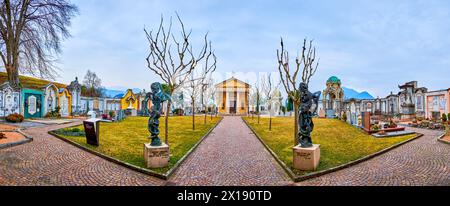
306, 125
158, 97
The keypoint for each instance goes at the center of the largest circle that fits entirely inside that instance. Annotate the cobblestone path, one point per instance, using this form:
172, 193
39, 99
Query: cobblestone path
49, 161
422, 162
230, 156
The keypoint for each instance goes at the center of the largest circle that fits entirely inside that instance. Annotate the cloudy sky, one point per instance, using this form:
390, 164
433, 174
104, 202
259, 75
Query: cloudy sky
371, 45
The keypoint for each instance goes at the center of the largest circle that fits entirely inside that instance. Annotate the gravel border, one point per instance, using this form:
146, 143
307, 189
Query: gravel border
146, 171
300, 178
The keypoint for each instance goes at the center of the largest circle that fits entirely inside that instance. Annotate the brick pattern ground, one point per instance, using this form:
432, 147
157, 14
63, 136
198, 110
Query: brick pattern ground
423, 162
49, 161
230, 156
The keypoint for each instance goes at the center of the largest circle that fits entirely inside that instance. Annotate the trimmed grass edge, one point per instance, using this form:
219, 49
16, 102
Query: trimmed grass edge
13, 144
142, 170
300, 178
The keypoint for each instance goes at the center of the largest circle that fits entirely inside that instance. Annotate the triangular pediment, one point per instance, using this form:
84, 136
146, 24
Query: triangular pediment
232, 82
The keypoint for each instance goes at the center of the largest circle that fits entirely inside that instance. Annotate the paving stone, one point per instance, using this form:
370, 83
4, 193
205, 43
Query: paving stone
230, 156
422, 162
49, 161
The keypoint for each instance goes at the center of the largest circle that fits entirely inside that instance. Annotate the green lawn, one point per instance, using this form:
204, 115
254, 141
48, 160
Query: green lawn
340, 142
125, 140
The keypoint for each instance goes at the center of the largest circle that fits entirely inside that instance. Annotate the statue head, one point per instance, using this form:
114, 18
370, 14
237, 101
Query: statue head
156, 87
303, 86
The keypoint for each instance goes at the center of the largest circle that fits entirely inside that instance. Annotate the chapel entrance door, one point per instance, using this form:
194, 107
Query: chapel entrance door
33, 106
233, 107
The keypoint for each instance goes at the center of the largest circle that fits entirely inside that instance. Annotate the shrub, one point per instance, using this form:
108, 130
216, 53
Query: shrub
14, 118
54, 114
178, 112
112, 114
74, 132
392, 124
444, 117
344, 117
375, 127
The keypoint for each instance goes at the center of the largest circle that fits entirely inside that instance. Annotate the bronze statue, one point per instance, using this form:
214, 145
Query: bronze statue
158, 97
306, 124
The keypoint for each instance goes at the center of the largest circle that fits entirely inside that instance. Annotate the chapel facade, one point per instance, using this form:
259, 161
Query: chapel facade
232, 97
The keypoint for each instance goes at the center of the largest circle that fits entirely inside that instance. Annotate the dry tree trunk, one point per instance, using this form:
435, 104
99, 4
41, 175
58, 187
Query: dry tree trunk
13, 75
270, 122
193, 113
296, 105
206, 115
166, 122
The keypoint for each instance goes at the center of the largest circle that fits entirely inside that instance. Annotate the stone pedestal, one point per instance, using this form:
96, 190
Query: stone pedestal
156, 157
306, 159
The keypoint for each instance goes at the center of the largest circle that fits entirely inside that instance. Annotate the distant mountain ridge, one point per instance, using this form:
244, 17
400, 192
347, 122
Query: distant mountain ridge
353, 94
113, 92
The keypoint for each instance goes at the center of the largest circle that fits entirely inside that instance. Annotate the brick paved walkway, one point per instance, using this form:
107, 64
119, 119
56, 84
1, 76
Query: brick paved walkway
423, 162
50, 161
231, 155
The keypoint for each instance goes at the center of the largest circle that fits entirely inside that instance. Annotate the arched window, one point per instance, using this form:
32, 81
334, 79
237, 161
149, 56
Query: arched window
50, 103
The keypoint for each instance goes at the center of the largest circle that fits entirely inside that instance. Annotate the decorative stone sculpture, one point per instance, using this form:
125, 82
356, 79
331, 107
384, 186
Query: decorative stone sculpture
306, 125
158, 97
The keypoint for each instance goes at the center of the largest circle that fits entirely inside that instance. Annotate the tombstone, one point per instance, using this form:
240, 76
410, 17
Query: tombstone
322, 113
330, 114
92, 114
120, 115
366, 120
354, 119
92, 130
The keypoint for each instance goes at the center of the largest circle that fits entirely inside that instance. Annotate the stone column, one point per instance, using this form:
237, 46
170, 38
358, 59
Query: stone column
227, 103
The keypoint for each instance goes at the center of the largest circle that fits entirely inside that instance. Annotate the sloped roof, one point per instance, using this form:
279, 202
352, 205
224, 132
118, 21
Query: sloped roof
232, 79
31, 82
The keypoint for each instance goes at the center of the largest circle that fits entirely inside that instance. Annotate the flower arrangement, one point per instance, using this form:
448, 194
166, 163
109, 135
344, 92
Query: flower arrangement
14, 118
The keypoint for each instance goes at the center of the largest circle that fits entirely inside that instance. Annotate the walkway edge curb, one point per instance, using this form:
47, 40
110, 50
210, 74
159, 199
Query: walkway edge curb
300, 178
165, 176
440, 139
13, 144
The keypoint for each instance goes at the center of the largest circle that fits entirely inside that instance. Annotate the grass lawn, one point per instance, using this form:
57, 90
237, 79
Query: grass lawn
340, 142
125, 140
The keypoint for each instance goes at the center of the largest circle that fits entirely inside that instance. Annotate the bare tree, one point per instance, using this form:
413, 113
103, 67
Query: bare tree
172, 59
268, 89
257, 98
92, 84
198, 83
307, 64
207, 86
194, 90
209, 95
31, 34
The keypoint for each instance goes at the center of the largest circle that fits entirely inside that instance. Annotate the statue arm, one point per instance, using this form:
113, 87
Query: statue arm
167, 97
